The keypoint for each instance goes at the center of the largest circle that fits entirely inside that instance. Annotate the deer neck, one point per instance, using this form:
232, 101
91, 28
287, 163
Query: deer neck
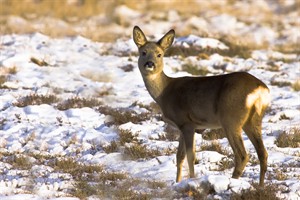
156, 84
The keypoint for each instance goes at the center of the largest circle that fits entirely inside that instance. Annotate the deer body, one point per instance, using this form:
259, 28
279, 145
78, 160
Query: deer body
234, 102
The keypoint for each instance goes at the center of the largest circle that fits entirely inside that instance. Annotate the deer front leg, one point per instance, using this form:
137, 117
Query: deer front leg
181, 152
189, 140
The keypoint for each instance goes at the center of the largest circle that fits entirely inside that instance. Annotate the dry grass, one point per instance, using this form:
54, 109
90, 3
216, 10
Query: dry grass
126, 189
213, 134
253, 160
36, 99
214, 146
200, 193
284, 117
127, 136
139, 151
3, 79
279, 174
120, 186
289, 138
237, 47
12, 70
195, 70
5, 74
60, 9
182, 51
39, 62
112, 147
225, 163
83, 189
19, 161
2, 123
170, 134
152, 107
78, 102
295, 85
73, 167
267, 193
133, 148
280, 83
79, 12
123, 115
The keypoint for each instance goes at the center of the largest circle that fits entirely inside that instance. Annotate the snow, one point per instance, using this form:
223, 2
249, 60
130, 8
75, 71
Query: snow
80, 67
200, 42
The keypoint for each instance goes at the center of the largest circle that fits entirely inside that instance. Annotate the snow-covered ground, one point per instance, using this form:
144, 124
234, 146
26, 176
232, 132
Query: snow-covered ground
76, 67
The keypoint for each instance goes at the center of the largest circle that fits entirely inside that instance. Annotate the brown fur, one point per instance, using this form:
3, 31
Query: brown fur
235, 102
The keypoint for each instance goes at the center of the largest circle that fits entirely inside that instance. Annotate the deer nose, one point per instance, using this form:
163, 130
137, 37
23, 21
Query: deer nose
149, 65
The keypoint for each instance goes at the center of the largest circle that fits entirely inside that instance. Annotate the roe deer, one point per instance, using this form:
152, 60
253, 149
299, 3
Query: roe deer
234, 102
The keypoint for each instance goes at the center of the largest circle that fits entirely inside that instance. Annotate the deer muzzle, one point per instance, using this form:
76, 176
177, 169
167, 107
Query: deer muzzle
149, 65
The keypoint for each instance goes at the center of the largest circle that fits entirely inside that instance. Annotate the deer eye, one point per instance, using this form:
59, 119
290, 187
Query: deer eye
144, 53
159, 55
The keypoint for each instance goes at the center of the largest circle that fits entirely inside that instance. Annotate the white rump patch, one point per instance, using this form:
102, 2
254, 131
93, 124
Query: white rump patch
260, 98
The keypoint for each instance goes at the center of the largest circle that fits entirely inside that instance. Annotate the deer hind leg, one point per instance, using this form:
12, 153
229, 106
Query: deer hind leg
253, 130
240, 155
181, 153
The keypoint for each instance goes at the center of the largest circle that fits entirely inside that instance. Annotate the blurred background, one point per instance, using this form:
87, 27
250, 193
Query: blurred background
257, 24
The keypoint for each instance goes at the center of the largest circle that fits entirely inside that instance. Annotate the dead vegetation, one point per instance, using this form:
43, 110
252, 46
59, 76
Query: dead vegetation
5, 74
296, 85
18, 161
267, 193
289, 138
39, 62
91, 180
51, 99
78, 102
124, 188
124, 115
213, 134
138, 151
36, 99
127, 136
214, 146
3, 79
236, 48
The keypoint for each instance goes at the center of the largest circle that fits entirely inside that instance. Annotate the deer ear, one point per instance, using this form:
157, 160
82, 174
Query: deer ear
139, 37
166, 41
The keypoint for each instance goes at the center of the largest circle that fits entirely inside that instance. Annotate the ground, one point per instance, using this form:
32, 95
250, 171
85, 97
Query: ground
77, 122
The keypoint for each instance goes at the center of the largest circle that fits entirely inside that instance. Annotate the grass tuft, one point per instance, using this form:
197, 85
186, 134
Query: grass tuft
139, 151
73, 167
195, 70
267, 193
3, 79
38, 62
237, 48
225, 163
127, 136
82, 189
296, 86
112, 147
170, 133
290, 138
122, 115
214, 146
213, 134
36, 99
78, 102
21, 162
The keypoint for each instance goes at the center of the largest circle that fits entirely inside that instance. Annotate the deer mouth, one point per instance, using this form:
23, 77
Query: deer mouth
149, 66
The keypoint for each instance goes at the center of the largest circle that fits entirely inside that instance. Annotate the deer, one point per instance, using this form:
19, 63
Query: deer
235, 102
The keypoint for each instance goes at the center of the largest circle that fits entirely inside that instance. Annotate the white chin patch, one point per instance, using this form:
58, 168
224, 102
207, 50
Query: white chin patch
150, 69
